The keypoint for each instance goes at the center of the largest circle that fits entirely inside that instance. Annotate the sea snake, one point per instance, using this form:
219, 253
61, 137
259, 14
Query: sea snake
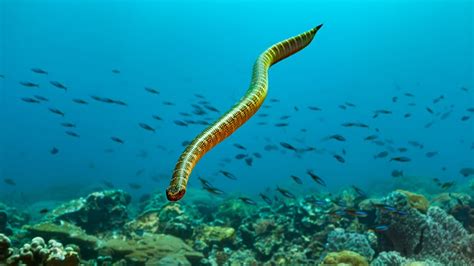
246, 107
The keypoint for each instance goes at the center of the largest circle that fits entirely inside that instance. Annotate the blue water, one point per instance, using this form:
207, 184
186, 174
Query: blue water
366, 53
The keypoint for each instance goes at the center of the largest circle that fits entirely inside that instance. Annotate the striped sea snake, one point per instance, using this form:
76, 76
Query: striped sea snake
245, 108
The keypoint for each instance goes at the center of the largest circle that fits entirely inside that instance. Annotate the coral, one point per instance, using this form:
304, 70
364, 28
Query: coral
146, 222
436, 236
149, 249
173, 220
218, 235
37, 252
339, 240
345, 257
67, 233
98, 212
393, 258
5, 247
416, 201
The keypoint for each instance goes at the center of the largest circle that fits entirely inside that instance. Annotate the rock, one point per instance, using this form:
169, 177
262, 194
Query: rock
5, 245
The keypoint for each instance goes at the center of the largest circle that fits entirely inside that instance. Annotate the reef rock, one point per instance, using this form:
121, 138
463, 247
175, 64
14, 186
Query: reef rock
345, 258
66, 233
339, 240
38, 252
436, 235
218, 235
150, 249
98, 212
416, 201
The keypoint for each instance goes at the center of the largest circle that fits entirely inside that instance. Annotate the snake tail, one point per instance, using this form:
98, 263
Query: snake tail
245, 108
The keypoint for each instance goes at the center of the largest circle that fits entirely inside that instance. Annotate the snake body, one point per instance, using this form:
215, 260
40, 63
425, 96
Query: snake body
245, 108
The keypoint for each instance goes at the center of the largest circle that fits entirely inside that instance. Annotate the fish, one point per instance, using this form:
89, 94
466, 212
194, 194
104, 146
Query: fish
381, 228
406, 115
29, 84
359, 191
247, 201
180, 123
58, 85
437, 99
41, 98
397, 173
265, 198
29, 100
415, 144
402, 149
228, 175
288, 146
429, 124
2, 76
240, 156
134, 185
257, 155
120, 102
355, 124
204, 182
80, 101
39, 71
314, 108
465, 118
115, 71
355, 213
335, 137
431, 154
316, 178
394, 99
408, 94
156, 117
339, 158
213, 190
467, 171
151, 90
56, 111
402, 159
381, 154
285, 193
447, 185
116, 139
238, 146
211, 108
67, 124
248, 161
43, 211
54, 151
281, 124
168, 103
446, 115
371, 137
343, 107
72, 134
273, 100
470, 109
296, 179
429, 110
350, 104
146, 127
9, 181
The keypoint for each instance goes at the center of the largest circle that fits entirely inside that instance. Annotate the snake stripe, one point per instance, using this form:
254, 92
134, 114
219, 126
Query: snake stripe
245, 108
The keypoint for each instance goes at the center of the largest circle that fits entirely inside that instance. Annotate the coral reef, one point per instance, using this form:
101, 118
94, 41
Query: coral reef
98, 212
38, 252
339, 240
345, 257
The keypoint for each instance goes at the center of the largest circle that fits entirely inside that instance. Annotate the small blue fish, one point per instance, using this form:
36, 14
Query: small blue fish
381, 228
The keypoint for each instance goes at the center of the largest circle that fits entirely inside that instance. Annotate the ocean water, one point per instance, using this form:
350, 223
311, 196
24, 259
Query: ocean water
78, 78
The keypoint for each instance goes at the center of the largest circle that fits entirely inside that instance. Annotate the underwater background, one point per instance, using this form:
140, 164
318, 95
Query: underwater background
367, 123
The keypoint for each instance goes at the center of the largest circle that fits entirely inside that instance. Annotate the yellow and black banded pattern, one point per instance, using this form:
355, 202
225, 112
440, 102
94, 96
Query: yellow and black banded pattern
229, 122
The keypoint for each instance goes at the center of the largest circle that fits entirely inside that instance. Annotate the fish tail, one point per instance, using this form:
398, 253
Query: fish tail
229, 122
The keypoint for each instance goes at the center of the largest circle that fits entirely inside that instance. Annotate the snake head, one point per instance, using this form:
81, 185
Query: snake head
175, 192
